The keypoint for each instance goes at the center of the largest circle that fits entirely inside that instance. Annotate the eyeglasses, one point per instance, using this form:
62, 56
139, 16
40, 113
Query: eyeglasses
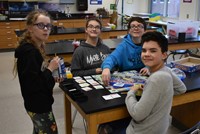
138, 26
42, 26
94, 27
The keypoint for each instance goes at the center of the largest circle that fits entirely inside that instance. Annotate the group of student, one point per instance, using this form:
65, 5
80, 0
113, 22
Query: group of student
143, 51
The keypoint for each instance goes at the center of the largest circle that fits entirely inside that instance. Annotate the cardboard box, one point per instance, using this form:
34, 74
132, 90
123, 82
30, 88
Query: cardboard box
189, 64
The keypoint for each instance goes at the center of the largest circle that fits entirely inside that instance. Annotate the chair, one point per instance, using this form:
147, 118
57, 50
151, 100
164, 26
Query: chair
195, 52
180, 52
193, 130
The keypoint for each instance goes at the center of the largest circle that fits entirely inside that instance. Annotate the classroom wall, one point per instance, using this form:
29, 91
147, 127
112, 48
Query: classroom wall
189, 10
130, 6
135, 6
92, 8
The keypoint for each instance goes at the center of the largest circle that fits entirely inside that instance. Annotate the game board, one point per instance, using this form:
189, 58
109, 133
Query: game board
122, 81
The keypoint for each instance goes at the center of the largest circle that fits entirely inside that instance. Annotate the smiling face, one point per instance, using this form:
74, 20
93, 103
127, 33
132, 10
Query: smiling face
41, 29
93, 29
152, 56
136, 29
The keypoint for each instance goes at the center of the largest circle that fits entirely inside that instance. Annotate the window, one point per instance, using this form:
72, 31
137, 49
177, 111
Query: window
167, 8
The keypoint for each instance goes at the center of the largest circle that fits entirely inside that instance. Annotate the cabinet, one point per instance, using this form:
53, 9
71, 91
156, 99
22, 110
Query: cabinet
7, 34
9, 39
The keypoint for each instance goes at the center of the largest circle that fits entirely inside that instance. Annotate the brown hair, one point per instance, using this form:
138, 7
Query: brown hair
93, 19
97, 20
138, 19
30, 20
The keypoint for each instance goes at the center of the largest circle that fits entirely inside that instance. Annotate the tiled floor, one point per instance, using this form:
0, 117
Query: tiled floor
13, 118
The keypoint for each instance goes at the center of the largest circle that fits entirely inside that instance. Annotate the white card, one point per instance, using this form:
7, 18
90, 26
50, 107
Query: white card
90, 80
87, 77
115, 96
98, 87
80, 81
72, 90
77, 77
84, 85
111, 96
107, 97
94, 83
87, 88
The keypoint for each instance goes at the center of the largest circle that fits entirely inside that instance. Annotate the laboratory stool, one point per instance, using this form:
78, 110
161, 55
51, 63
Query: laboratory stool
181, 52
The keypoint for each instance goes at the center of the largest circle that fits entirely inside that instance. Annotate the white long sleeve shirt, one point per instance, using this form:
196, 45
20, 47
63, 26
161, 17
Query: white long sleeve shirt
151, 113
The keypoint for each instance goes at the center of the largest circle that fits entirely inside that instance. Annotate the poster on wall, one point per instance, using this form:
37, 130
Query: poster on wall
95, 2
187, 1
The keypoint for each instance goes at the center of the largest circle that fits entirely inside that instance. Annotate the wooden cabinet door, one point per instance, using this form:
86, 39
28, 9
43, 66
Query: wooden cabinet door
7, 34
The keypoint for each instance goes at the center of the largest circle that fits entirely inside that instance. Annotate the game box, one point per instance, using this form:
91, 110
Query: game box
188, 64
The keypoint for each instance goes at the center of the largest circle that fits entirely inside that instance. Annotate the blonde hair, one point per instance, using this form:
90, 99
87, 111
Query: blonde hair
30, 20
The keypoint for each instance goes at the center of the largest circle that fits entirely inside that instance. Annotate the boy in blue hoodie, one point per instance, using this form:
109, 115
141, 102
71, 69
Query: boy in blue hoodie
127, 56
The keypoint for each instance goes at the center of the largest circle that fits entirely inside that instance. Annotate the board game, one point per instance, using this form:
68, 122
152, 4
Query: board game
122, 81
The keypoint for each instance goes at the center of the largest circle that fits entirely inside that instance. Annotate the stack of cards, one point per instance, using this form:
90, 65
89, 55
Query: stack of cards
87, 83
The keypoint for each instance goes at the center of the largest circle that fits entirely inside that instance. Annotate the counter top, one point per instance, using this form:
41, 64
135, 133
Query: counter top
189, 40
59, 47
62, 30
56, 16
66, 47
162, 23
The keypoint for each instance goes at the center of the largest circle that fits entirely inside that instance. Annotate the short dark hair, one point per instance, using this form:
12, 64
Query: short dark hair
157, 37
138, 19
93, 19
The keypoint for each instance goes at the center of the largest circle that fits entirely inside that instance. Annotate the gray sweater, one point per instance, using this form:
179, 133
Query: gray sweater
150, 115
87, 58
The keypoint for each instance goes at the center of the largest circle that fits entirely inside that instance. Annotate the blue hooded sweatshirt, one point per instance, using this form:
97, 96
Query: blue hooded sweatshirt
127, 56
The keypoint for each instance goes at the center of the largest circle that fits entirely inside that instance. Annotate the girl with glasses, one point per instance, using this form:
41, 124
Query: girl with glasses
35, 73
87, 58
